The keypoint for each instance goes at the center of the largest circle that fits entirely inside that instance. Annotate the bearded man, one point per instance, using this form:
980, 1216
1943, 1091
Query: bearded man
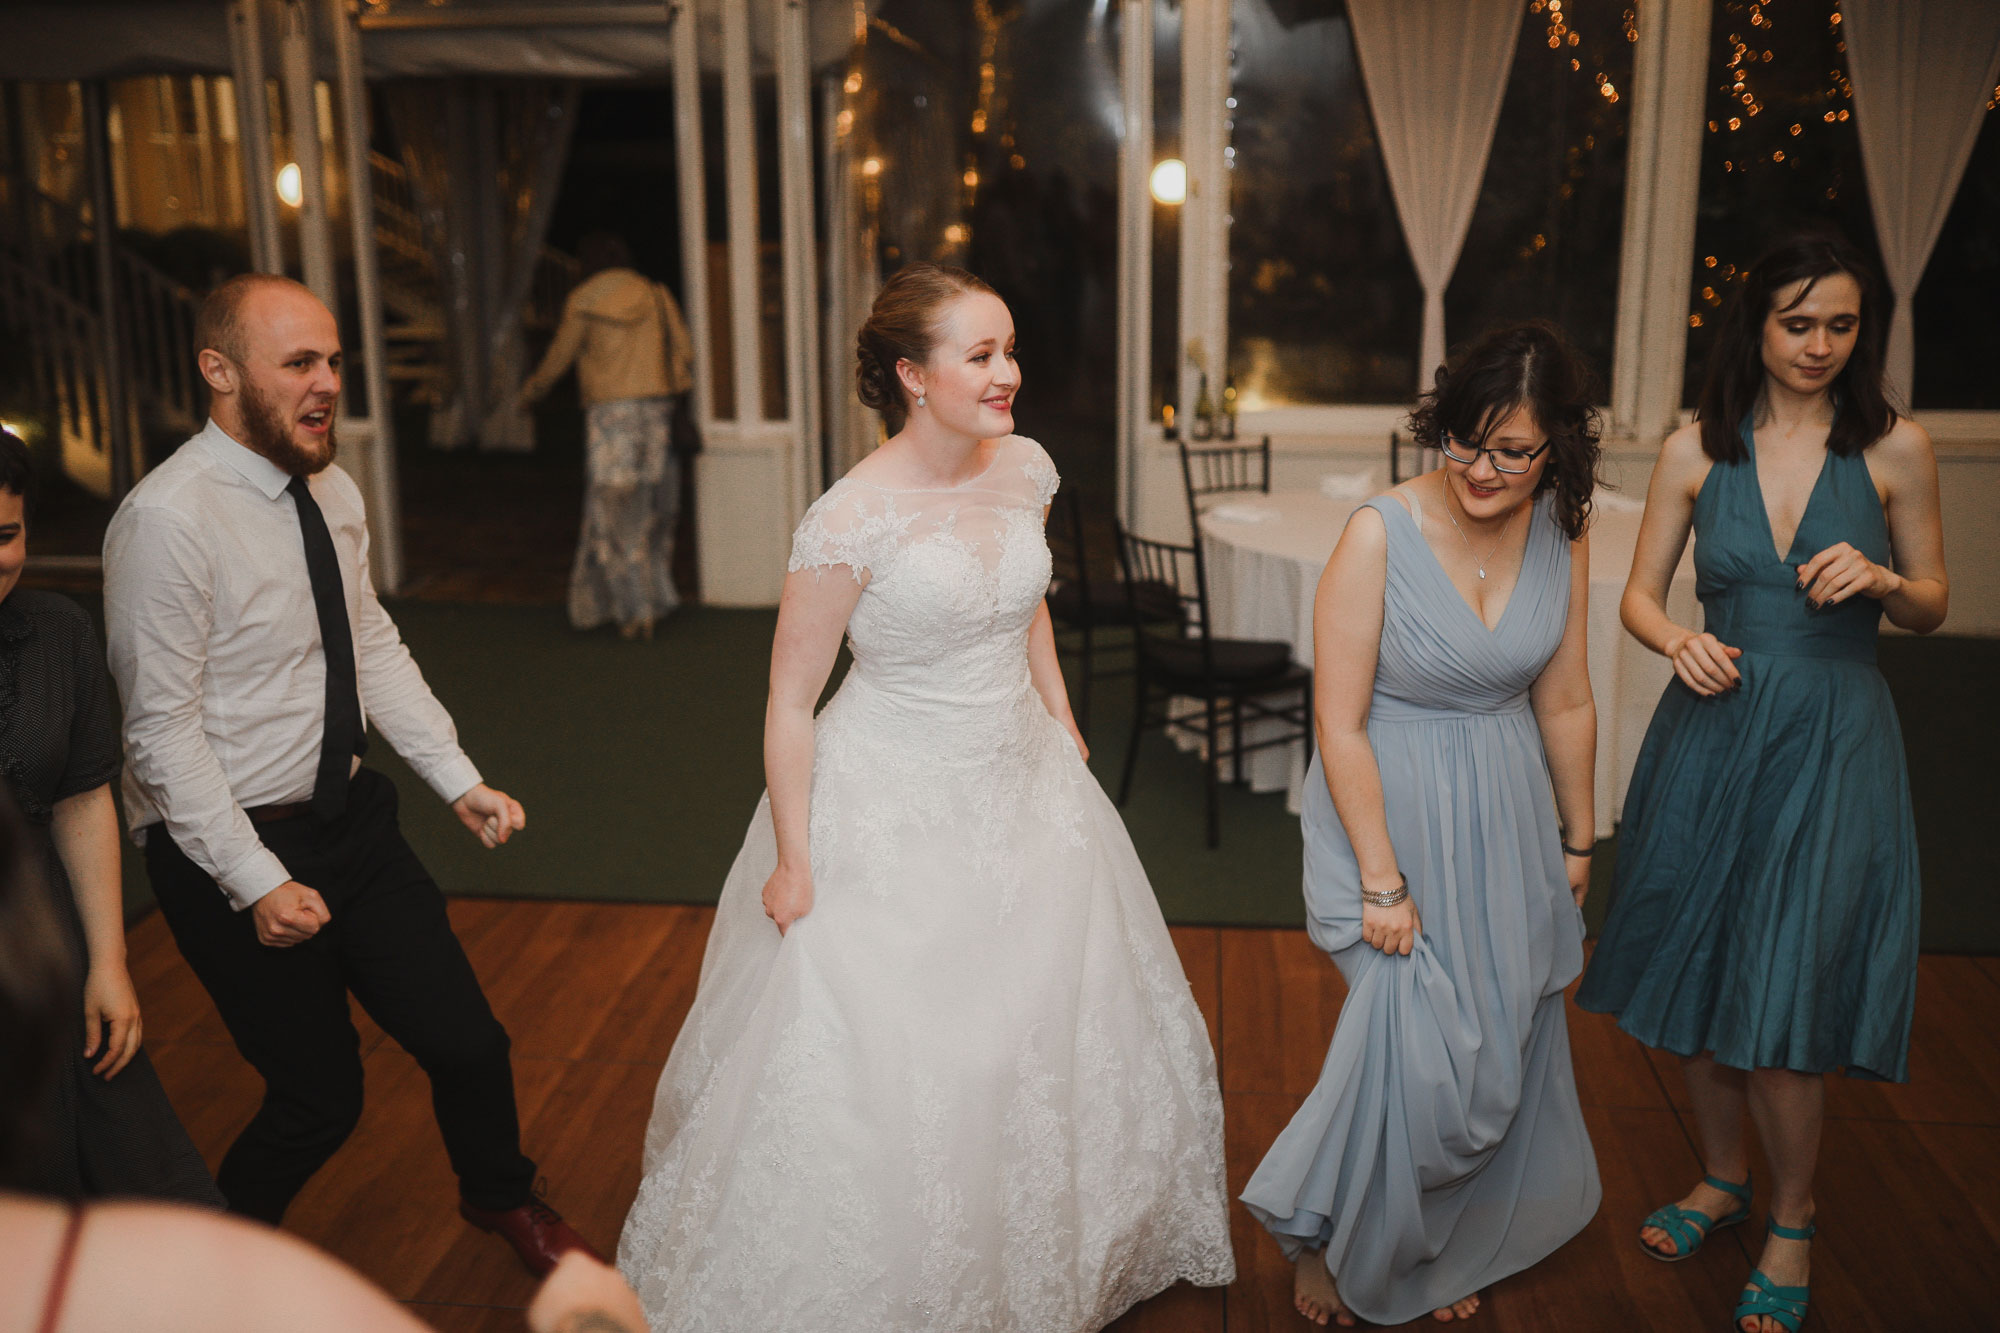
252, 656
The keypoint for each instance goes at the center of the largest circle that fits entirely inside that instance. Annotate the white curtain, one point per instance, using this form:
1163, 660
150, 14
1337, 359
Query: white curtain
1922, 71
1435, 71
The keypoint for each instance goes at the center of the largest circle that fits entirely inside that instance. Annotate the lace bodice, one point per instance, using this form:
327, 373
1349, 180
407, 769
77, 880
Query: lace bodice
954, 576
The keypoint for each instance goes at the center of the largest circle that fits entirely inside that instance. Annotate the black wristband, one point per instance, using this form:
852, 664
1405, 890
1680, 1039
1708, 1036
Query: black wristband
1577, 851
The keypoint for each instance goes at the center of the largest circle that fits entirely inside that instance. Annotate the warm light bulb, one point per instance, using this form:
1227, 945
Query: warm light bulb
872, 167
291, 184
1169, 181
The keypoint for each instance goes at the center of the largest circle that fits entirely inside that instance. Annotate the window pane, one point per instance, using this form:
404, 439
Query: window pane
988, 137
1955, 302
1324, 306
1545, 236
1780, 151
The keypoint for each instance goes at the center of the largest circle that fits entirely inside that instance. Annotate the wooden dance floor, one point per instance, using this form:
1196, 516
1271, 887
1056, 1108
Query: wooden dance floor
1909, 1190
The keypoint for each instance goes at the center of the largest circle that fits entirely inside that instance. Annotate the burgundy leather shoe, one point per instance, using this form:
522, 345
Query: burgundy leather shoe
536, 1231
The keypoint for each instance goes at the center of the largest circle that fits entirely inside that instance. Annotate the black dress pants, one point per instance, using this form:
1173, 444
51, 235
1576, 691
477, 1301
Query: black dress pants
389, 942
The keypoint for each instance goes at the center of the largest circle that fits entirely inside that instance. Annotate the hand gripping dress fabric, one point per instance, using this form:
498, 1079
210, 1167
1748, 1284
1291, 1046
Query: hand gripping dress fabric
1766, 897
970, 1090
1443, 1147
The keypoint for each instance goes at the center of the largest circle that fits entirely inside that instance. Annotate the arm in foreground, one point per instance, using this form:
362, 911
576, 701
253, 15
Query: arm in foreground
1045, 669
167, 1267
85, 830
1703, 662
1347, 637
401, 707
1567, 716
1912, 588
812, 617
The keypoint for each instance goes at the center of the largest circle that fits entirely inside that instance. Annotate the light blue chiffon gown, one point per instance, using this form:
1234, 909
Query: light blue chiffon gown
1443, 1147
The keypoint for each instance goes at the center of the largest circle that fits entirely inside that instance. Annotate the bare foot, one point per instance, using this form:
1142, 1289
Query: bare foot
1457, 1309
1312, 1291
1705, 1199
1788, 1263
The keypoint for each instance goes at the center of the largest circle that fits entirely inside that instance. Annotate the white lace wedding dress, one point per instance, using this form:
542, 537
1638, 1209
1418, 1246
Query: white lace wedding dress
970, 1090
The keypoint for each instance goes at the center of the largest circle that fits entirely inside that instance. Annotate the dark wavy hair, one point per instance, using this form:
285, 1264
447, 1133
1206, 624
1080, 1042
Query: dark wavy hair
1529, 365
35, 995
904, 325
1735, 378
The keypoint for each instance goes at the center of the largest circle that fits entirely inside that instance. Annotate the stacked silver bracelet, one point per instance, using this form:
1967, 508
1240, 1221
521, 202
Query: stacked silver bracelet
1390, 898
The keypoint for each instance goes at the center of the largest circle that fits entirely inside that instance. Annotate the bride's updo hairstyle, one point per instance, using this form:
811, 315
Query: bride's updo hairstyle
1529, 365
905, 324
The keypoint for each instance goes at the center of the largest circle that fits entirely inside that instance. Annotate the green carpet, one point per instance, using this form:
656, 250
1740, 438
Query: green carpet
640, 764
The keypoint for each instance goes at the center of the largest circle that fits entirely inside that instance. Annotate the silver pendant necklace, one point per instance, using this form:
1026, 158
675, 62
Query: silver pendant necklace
1468, 541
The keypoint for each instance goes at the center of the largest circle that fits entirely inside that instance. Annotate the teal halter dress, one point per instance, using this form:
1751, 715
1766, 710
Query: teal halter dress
1765, 902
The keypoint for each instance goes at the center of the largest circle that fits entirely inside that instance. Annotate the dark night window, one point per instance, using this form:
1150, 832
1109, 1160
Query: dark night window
1780, 150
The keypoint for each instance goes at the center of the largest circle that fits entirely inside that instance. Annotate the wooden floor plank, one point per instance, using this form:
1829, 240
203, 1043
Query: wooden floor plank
1280, 998
1200, 950
593, 993
1954, 1056
469, 1318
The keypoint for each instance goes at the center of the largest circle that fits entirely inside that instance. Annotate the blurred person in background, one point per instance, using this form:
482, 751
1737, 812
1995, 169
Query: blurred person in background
633, 359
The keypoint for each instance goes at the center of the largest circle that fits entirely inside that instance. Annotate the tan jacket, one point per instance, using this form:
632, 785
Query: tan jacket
612, 329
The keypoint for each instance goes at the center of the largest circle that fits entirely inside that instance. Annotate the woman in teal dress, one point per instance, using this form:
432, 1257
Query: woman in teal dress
1443, 1147
1763, 924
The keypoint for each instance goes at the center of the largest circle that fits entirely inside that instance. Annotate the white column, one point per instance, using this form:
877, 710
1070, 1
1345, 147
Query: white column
739, 133
694, 207
801, 282
1204, 297
379, 482
253, 134
1135, 245
1662, 189
295, 70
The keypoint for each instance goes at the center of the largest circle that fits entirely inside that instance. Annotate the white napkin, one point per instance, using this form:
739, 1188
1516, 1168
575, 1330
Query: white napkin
1611, 502
1241, 512
1347, 485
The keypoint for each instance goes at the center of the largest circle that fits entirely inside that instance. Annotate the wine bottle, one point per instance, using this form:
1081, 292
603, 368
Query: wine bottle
1204, 413
1229, 407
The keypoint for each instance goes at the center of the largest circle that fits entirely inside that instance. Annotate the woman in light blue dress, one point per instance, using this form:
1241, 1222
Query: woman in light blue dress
1443, 1147
1763, 922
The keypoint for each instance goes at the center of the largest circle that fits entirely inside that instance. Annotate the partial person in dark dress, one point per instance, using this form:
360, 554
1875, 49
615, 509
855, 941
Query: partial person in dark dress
1763, 921
105, 1121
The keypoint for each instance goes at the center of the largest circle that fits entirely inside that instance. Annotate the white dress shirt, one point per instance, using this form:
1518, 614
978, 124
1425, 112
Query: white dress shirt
214, 643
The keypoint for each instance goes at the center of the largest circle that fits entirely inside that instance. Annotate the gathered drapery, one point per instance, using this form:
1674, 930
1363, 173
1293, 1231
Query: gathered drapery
1923, 71
485, 160
1435, 71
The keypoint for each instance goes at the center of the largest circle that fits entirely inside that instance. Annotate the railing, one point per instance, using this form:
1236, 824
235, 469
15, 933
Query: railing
399, 227
64, 347
156, 315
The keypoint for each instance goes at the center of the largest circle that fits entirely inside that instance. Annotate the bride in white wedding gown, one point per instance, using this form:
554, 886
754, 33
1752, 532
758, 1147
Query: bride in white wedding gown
943, 1071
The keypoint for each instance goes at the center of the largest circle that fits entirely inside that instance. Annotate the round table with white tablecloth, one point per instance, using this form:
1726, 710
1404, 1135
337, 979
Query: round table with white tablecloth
1265, 554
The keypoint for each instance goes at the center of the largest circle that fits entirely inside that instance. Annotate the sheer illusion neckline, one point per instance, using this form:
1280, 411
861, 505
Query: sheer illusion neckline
1521, 567
967, 484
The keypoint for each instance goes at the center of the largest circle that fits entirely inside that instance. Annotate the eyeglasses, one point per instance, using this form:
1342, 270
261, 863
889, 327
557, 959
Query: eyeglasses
1511, 461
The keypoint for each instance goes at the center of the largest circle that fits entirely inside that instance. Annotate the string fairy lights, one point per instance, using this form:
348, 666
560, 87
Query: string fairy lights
1763, 43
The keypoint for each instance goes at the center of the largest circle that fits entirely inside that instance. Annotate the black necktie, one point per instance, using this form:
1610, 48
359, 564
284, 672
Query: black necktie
342, 739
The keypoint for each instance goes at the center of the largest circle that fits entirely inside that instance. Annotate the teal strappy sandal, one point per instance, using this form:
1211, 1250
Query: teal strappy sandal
1687, 1228
1763, 1298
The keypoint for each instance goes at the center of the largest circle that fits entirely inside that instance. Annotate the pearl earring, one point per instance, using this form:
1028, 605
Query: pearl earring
920, 400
